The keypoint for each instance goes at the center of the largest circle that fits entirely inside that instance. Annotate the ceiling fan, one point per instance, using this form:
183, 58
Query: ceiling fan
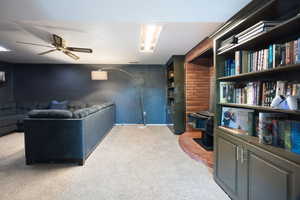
59, 44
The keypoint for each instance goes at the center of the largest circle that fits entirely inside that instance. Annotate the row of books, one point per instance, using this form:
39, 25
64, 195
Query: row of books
277, 130
248, 34
259, 93
271, 128
251, 61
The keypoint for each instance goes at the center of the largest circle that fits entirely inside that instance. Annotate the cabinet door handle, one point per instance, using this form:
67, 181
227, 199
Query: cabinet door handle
242, 155
237, 153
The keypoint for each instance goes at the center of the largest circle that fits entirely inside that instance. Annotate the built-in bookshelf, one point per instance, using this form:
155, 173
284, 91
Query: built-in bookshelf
259, 96
175, 94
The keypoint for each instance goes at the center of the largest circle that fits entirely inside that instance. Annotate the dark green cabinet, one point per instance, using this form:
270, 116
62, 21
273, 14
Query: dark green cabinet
270, 177
175, 94
248, 172
228, 167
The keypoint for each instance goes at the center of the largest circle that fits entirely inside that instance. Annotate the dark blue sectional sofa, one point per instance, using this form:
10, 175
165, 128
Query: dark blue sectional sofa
66, 135
10, 119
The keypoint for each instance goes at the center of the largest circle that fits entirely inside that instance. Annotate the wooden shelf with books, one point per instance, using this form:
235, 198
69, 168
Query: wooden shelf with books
175, 94
261, 108
257, 125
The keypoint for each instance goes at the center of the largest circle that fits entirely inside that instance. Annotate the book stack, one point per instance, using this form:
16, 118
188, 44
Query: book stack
276, 55
257, 93
230, 69
248, 93
276, 130
226, 44
256, 29
227, 92
285, 88
238, 119
268, 92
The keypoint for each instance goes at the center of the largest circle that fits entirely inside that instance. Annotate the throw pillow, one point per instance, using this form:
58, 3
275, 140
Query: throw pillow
58, 105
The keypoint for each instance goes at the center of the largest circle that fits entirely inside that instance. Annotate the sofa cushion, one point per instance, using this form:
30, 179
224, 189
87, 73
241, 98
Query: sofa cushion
52, 113
76, 105
81, 113
56, 105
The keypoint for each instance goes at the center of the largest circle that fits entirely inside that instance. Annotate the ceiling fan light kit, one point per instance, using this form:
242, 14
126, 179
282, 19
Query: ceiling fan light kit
59, 44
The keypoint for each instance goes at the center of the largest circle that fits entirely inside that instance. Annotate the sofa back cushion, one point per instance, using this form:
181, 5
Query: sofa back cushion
55, 114
7, 109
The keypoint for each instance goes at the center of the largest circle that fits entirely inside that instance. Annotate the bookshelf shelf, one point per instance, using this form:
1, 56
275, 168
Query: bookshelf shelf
282, 30
263, 73
260, 108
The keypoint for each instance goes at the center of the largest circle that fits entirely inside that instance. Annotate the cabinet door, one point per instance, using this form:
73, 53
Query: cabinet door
270, 177
227, 164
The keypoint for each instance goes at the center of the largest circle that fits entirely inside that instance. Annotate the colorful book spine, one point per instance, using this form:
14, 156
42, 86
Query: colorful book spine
270, 57
281, 132
275, 132
295, 137
265, 128
237, 62
298, 51
287, 136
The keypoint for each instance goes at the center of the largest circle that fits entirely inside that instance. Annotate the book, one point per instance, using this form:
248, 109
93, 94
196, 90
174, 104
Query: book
256, 28
241, 62
271, 127
295, 50
237, 61
238, 118
287, 136
298, 51
275, 132
295, 137
244, 61
282, 55
265, 125
276, 55
281, 132
270, 56
265, 59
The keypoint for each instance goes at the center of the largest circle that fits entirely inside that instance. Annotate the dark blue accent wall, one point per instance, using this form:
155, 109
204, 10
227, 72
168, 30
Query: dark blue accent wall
44, 82
6, 89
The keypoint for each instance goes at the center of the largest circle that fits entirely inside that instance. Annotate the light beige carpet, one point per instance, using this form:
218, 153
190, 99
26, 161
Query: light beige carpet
130, 164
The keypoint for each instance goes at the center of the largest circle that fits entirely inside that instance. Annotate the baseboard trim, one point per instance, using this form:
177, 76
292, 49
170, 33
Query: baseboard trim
140, 124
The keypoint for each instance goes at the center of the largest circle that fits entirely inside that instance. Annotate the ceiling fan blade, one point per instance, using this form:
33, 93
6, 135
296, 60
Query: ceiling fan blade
41, 45
43, 53
58, 41
82, 50
68, 53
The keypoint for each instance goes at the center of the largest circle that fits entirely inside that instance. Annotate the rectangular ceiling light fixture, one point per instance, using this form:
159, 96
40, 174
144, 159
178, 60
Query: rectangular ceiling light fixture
149, 37
99, 75
3, 49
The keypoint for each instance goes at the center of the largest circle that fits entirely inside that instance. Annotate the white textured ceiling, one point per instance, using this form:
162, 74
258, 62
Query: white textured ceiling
110, 28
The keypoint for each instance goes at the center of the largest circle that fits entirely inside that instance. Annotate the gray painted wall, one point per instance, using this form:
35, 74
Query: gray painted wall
6, 90
41, 83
